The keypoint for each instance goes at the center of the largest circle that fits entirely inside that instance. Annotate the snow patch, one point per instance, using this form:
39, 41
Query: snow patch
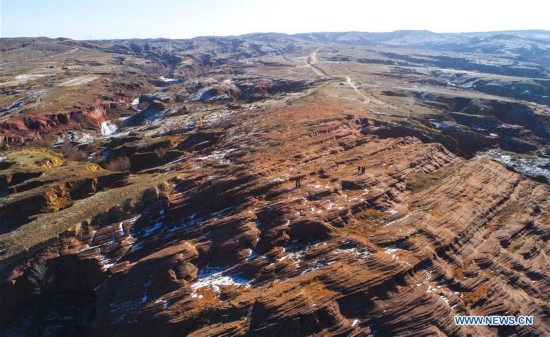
149, 231
391, 251
106, 263
532, 166
163, 302
108, 128
135, 104
167, 80
443, 125
213, 278
218, 154
251, 255
93, 236
397, 220
362, 253
317, 264
427, 273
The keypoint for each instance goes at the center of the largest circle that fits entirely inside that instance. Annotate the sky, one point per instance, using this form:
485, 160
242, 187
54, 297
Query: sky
113, 19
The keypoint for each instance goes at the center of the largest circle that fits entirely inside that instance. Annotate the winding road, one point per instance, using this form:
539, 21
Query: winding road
65, 53
312, 64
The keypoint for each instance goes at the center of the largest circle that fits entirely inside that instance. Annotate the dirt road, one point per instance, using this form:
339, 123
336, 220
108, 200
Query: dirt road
351, 84
312, 63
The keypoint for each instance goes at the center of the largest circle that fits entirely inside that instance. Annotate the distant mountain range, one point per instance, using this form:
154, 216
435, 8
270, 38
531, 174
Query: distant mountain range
527, 45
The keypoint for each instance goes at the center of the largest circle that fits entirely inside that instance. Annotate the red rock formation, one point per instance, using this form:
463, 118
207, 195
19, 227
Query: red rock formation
18, 130
243, 252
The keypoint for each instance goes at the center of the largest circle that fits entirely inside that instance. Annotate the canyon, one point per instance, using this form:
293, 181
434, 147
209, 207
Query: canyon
324, 184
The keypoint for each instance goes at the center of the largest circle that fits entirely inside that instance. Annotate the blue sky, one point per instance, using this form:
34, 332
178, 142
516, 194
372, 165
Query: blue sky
102, 19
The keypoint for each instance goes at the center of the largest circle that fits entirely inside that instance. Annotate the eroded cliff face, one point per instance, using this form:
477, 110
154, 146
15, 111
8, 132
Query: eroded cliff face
323, 208
19, 130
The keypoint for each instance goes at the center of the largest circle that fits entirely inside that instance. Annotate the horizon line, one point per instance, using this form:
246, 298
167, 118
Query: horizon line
281, 33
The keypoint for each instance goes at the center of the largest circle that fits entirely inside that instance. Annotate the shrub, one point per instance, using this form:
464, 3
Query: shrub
71, 152
40, 277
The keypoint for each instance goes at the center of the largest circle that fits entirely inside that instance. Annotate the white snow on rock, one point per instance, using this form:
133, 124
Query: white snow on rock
149, 231
212, 278
397, 220
106, 262
135, 104
165, 79
391, 251
108, 128
218, 154
362, 253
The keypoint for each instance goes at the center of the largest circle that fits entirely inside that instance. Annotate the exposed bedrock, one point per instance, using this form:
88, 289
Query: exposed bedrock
395, 251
